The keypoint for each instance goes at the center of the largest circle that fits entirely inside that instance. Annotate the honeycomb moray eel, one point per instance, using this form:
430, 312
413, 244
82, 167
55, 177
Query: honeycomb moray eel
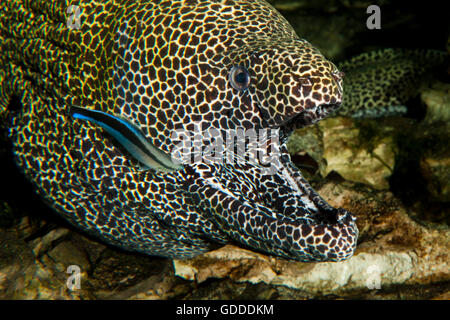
380, 83
101, 101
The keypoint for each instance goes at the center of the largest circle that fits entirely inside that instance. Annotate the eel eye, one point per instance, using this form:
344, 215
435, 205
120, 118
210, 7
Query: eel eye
239, 78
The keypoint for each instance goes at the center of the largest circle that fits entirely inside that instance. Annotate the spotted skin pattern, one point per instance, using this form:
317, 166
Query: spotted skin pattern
164, 66
380, 83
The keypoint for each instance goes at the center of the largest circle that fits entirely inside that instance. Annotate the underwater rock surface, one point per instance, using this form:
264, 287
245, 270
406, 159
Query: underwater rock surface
371, 163
394, 250
396, 257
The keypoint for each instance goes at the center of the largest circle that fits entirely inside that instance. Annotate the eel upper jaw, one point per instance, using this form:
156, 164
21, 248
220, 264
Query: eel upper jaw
308, 117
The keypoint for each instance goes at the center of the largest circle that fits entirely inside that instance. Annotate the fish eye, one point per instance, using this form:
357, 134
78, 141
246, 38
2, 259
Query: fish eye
239, 78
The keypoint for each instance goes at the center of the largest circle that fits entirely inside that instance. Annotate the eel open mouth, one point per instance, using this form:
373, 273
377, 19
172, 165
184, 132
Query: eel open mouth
280, 213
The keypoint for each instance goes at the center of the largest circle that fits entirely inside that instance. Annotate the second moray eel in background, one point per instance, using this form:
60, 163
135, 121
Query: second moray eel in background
380, 83
101, 103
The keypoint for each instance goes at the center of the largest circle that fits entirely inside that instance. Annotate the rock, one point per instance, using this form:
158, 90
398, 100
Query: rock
444, 296
27, 227
17, 267
114, 272
306, 149
41, 271
393, 250
161, 286
437, 175
387, 229
437, 100
67, 254
228, 261
50, 257
43, 244
353, 159
435, 161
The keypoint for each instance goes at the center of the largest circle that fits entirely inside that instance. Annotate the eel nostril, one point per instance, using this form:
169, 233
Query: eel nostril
338, 75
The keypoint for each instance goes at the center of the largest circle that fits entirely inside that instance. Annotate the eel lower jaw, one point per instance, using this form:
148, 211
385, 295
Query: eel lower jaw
323, 216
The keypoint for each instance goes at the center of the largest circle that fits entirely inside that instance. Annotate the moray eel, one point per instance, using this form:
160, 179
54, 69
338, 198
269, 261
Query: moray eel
106, 86
380, 83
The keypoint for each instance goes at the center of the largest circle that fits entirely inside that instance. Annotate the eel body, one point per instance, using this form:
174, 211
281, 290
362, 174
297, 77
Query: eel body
108, 87
380, 83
